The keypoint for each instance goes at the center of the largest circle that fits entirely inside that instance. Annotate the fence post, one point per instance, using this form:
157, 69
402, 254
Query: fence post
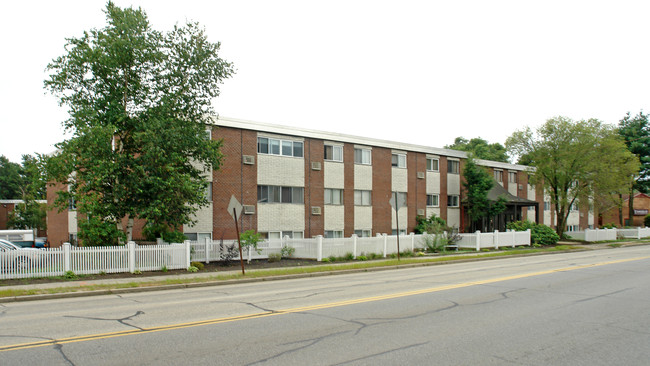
412, 242
319, 248
496, 239
514, 238
66, 257
188, 253
385, 243
354, 246
130, 246
478, 240
207, 250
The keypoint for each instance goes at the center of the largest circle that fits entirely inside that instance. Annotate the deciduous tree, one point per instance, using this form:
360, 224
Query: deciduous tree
573, 160
139, 102
481, 149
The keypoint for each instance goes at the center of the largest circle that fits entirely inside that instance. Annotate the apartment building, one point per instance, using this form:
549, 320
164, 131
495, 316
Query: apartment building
301, 183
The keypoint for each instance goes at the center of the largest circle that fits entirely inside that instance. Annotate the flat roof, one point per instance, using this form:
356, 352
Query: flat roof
357, 140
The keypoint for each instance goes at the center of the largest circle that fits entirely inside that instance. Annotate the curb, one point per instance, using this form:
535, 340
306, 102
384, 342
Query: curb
129, 290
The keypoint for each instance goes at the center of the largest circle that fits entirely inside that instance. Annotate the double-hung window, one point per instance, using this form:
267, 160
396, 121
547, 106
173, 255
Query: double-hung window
432, 200
362, 198
512, 177
453, 201
362, 156
453, 167
333, 196
334, 152
498, 175
398, 160
432, 164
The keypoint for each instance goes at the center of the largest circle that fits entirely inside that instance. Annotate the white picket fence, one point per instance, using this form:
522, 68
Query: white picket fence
479, 240
593, 235
51, 262
384, 245
132, 257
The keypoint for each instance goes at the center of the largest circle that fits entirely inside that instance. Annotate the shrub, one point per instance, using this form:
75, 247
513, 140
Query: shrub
69, 275
646, 220
164, 269
539, 233
227, 252
250, 238
275, 257
325, 260
287, 252
137, 272
198, 265
434, 243
348, 256
192, 269
362, 258
332, 258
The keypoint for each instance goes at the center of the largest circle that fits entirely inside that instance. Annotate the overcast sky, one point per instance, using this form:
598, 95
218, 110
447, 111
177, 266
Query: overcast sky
421, 72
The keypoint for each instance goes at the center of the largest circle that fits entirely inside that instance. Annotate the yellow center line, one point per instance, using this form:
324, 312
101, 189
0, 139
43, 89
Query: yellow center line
91, 337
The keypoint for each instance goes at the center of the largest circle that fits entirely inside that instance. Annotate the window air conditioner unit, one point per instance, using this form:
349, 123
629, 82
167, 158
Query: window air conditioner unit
249, 159
521, 187
316, 210
420, 175
420, 212
315, 165
249, 210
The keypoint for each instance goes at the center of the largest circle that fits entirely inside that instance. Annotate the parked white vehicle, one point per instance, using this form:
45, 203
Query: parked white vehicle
16, 258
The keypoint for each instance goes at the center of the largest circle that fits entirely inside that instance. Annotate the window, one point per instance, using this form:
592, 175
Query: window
277, 235
512, 177
333, 234
432, 200
453, 201
362, 198
198, 237
498, 175
208, 134
432, 164
574, 206
333, 196
362, 156
547, 206
362, 233
401, 232
453, 166
399, 160
334, 152
275, 194
271, 146
72, 204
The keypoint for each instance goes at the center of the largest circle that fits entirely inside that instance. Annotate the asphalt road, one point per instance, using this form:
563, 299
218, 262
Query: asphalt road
585, 308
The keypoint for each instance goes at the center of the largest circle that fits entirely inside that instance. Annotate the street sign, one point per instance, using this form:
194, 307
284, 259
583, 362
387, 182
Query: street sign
398, 203
234, 206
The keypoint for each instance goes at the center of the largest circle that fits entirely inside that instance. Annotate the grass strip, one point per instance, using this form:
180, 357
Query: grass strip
284, 271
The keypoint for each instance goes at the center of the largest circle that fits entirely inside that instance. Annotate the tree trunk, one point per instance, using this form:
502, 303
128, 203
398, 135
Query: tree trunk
630, 207
620, 210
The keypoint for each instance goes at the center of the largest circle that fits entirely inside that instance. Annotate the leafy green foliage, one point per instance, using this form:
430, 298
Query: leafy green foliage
431, 225
139, 103
10, 179
275, 257
646, 220
478, 183
198, 265
192, 269
250, 238
574, 160
287, 251
539, 233
480, 148
93, 231
434, 243
635, 130
27, 183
